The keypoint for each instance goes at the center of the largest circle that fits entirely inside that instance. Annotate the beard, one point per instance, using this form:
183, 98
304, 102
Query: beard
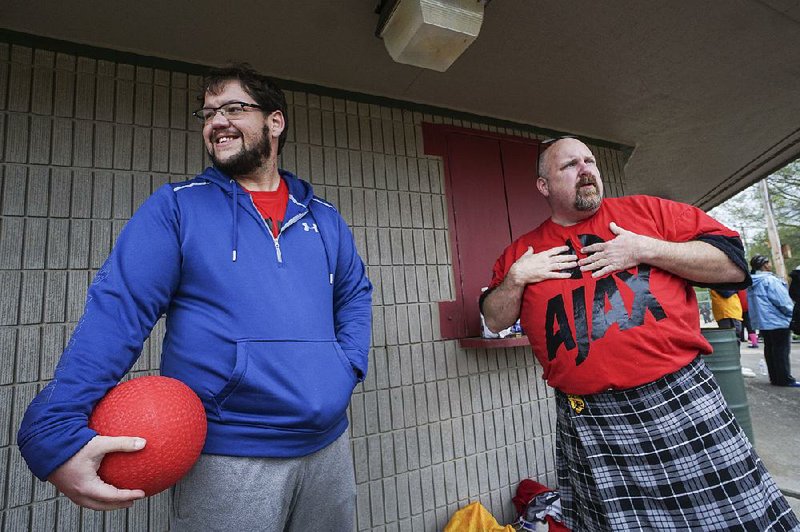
587, 199
247, 160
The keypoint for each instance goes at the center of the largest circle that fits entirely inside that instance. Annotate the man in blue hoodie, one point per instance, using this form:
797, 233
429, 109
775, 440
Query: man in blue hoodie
770, 313
268, 320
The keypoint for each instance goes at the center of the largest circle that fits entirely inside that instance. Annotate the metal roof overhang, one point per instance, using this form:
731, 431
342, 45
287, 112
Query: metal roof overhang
705, 92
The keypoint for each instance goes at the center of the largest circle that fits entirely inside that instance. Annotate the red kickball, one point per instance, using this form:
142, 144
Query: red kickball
163, 411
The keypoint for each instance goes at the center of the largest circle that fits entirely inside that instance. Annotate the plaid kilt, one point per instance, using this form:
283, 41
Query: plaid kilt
667, 455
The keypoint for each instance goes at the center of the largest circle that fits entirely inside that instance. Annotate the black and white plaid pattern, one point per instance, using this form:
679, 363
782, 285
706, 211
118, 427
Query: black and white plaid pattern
664, 456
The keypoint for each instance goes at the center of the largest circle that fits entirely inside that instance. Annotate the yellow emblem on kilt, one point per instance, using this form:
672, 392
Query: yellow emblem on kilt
576, 403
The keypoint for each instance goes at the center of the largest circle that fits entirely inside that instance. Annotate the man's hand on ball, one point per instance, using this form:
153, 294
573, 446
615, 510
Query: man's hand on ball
77, 477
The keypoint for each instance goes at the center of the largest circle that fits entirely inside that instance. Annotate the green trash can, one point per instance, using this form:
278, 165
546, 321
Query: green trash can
725, 364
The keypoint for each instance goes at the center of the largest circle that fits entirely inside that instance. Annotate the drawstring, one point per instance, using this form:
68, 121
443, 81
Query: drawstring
235, 219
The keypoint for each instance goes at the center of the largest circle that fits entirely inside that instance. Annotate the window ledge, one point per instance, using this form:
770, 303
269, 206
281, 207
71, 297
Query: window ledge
493, 343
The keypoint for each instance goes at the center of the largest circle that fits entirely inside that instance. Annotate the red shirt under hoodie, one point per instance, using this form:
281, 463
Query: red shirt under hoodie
272, 206
624, 329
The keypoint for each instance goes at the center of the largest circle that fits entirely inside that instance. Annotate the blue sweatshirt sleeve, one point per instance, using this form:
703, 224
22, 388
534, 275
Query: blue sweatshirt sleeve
778, 295
128, 295
352, 302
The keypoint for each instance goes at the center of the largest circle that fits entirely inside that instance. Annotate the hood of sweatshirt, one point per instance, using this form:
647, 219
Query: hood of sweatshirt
300, 196
759, 278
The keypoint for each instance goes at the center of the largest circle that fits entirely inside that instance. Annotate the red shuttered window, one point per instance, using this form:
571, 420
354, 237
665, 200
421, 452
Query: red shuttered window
490, 182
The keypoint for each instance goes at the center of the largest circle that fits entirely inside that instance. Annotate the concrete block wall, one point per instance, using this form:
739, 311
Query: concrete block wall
86, 137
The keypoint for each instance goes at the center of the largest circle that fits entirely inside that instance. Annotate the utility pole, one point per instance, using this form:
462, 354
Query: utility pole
745, 241
779, 268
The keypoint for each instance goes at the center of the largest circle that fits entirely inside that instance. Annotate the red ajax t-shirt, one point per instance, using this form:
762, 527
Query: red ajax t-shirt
624, 329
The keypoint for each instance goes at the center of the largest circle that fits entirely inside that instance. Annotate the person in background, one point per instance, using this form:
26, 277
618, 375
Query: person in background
268, 311
603, 289
771, 312
794, 293
705, 311
748, 333
727, 309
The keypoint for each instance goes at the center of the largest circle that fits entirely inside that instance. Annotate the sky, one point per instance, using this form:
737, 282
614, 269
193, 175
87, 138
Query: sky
749, 227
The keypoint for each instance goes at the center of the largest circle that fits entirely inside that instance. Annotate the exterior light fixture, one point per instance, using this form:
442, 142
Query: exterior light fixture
429, 33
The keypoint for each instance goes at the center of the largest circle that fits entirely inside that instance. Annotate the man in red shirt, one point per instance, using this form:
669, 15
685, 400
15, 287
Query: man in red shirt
603, 291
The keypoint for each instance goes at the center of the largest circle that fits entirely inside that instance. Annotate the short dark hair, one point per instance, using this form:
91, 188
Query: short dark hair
263, 90
757, 262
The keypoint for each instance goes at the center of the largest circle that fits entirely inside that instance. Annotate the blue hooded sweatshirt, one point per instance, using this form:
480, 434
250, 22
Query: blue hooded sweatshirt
271, 333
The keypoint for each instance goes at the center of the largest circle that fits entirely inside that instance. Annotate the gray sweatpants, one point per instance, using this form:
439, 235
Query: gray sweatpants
225, 493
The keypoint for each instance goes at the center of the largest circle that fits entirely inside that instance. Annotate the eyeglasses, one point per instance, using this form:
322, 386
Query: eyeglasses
546, 143
230, 110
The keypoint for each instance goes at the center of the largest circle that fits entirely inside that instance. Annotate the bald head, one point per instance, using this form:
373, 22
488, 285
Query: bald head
540, 168
569, 180
545, 150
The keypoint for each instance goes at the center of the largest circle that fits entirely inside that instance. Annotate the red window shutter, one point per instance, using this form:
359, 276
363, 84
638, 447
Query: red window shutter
492, 199
478, 200
527, 208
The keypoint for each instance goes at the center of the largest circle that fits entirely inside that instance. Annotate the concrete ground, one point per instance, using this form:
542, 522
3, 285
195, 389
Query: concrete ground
775, 415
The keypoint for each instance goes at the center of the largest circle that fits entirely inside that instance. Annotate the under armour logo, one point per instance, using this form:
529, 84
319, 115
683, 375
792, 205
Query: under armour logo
311, 227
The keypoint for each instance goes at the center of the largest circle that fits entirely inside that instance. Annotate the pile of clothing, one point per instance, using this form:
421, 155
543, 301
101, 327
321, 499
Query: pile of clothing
538, 509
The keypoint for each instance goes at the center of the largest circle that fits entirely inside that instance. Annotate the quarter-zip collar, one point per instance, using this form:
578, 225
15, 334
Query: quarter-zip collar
300, 196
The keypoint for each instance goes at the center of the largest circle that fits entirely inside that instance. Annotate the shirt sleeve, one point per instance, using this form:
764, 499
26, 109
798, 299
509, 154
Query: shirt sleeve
127, 297
685, 223
352, 302
733, 249
501, 267
778, 295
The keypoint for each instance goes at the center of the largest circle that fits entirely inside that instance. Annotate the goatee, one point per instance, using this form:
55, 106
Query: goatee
247, 160
588, 199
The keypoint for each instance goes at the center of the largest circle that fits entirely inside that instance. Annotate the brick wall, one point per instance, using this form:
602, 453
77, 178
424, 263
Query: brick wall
84, 140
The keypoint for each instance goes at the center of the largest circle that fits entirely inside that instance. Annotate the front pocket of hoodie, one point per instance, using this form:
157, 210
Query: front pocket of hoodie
292, 385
